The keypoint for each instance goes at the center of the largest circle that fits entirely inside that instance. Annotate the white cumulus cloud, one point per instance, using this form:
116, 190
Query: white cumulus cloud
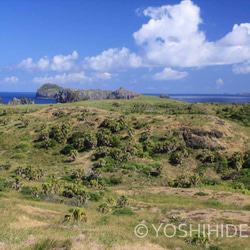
64, 63
243, 68
11, 79
58, 63
29, 65
104, 76
112, 59
63, 78
169, 74
172, 37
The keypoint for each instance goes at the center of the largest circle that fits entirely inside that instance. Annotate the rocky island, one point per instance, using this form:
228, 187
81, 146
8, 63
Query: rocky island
22, 101
65, 95
48, 91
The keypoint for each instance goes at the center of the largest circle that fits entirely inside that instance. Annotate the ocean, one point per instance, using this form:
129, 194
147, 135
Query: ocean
8, 96
191, 98
205, 98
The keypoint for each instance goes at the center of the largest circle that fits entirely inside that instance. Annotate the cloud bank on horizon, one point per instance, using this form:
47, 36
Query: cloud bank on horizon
171, 41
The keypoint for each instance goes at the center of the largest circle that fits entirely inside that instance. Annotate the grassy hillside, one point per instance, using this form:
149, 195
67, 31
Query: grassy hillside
83, 175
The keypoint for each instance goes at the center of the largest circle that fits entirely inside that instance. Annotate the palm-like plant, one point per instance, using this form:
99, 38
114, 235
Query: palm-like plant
76, 214
111, 201
73, 154
103, 208
122, 201
237, 161
78, 173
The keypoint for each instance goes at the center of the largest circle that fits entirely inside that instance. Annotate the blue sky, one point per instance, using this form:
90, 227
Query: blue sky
148, 46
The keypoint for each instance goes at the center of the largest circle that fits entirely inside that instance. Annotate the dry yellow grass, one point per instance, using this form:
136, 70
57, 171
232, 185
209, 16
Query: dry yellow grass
23, 222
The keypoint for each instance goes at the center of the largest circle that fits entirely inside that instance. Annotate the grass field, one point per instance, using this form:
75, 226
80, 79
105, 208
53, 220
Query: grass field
148, 161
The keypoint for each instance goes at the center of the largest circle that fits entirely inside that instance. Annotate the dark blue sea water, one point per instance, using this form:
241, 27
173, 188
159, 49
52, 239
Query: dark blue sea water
8, 96
191, 98
205, 98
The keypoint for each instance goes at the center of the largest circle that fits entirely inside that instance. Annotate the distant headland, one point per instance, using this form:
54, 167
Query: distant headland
65, 95
243, 93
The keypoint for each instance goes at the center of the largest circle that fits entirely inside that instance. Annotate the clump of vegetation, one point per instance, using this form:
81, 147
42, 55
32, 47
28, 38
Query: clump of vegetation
124, 211
201, 194
5, 167
53, 244
76, 214
29, 173
122, 201
198, 240
103, 208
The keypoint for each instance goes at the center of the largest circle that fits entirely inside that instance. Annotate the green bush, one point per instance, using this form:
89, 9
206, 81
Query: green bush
57, 134
122, 201
5, 183
113, 125
114, 181
67, 149
103, 208
246, 163
46, 244
76, 214
199, 240
247, 208
129, 167
147, 170
115, 141
182, 181
5, 166
214, 247
29, 173
23, 145
18, 156
211, 181
139, 165
111, 201
95, 197
104, 137
201, 194
2, 188
72, 190
157, 166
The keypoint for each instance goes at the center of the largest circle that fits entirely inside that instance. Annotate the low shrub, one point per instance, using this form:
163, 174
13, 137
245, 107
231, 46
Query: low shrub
95, 197
67, 149
201, 194
23, 145
5, 167
103, 208
114, 181
18, 156
76, 214
53, 244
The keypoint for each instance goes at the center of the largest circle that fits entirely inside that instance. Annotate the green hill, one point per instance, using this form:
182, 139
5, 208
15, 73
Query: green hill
48, 91
83, 175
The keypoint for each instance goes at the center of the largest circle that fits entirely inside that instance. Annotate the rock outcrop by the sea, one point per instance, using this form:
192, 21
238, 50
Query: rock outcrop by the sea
48, 91
64, 95
164, 96
1, 101
22, 101
75, 95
